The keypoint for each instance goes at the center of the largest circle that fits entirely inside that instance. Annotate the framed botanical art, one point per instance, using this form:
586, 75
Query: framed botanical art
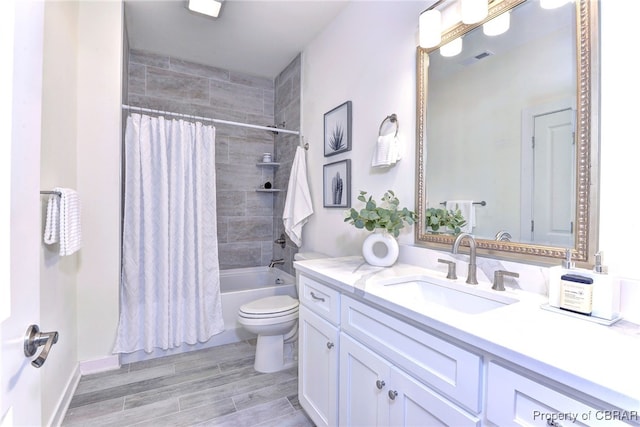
337, 130
337, 184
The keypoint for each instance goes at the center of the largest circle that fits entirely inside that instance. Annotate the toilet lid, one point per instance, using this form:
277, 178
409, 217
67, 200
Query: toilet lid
270, 305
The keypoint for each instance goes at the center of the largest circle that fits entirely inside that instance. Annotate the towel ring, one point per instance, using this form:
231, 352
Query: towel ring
391, 118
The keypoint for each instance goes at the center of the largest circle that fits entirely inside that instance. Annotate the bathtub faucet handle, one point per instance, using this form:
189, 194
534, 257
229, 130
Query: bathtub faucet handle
282, 241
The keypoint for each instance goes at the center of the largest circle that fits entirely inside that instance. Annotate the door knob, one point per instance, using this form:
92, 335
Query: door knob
34, 339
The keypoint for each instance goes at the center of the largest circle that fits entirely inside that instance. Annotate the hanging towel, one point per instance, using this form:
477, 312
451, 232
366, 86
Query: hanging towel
51, 224
63, 221
297, 206
388, 151
468, 211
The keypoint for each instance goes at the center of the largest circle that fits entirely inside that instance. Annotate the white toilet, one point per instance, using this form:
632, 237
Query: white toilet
275, 321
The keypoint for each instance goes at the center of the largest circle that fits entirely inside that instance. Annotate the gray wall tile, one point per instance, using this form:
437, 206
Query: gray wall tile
287, 109
250, 228
148, 58
196, 69
170, 84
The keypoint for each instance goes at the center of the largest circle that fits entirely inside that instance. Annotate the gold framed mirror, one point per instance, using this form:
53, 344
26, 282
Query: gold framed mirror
511, 201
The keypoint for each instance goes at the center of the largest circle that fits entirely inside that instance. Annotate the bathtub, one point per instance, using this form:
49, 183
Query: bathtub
238, 286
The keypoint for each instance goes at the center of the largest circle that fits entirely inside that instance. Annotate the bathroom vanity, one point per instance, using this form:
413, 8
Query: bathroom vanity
406, 346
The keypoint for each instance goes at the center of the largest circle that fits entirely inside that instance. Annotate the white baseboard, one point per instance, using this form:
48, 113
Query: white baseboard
83, 368
100, 365
65, 400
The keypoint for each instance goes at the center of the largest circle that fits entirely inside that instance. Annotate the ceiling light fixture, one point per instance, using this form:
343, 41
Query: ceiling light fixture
473, 11
498, 25
430, 28
205, 7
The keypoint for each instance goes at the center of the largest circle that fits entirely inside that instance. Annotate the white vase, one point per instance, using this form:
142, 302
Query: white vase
380, 249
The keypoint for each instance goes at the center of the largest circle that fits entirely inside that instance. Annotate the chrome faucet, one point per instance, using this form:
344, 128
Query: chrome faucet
471, 277
275, 262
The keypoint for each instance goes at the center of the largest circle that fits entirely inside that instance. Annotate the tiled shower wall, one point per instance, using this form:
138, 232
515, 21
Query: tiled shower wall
245, 217
287, 110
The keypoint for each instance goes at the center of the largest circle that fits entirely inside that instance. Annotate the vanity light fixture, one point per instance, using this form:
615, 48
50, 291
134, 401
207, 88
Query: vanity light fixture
473, 11
498, 25
430, 28
452, 48
205, 7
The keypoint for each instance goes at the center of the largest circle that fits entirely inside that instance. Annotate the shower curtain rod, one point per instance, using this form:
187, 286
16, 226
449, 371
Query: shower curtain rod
225, 122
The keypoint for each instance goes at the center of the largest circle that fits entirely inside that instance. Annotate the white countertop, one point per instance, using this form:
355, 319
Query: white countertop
602, 361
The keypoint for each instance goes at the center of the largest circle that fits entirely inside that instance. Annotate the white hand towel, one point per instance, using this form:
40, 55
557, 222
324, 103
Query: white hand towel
297, 206
63, 221
468, 211
51, 224
388, 151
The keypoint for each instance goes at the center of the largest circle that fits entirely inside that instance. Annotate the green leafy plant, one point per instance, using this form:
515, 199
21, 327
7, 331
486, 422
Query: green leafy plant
387, 216
449, 220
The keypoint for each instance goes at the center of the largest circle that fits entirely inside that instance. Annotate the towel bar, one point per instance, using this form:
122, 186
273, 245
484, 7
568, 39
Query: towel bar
57, 193
482, 203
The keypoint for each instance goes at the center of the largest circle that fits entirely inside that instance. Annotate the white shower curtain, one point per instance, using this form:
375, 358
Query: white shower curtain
170, 274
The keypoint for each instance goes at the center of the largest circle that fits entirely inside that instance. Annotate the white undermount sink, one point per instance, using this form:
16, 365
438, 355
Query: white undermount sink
423, 293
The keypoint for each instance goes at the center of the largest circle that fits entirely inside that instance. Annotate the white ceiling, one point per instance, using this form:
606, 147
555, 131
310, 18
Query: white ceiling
257, 37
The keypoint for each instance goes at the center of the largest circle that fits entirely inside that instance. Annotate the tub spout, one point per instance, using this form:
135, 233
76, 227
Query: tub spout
275, 262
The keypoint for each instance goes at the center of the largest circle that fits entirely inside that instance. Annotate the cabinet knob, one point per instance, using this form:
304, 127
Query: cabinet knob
393, 394
330, 345
380, 384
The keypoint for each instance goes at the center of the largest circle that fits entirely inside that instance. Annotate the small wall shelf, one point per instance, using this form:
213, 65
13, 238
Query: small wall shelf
268, 190
269, 164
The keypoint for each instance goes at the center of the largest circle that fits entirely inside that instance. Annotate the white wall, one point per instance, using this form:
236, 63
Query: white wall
367, 55
58, 169
620, 174
98, 156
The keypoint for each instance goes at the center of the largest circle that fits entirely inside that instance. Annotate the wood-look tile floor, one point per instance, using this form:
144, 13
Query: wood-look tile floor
213, 387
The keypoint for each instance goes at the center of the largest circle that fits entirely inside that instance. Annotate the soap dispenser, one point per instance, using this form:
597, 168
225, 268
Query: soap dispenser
599, 268
567, 262
606, 292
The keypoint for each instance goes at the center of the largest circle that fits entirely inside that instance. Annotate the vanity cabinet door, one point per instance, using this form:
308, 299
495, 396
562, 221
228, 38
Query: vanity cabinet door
318, 368
414, 404
364, 379
516, 400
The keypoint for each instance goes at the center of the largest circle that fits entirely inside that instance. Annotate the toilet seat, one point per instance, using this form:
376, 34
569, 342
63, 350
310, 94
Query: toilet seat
270, 307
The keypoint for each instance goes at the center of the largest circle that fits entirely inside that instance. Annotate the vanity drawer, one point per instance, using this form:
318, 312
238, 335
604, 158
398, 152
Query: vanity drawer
514, 399
443, 366
319, 298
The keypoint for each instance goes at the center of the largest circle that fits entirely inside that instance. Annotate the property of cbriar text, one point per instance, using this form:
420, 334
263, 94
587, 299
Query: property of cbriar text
595, 415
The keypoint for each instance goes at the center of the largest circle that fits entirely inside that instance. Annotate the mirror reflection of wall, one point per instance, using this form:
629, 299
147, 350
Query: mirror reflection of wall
481, 110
